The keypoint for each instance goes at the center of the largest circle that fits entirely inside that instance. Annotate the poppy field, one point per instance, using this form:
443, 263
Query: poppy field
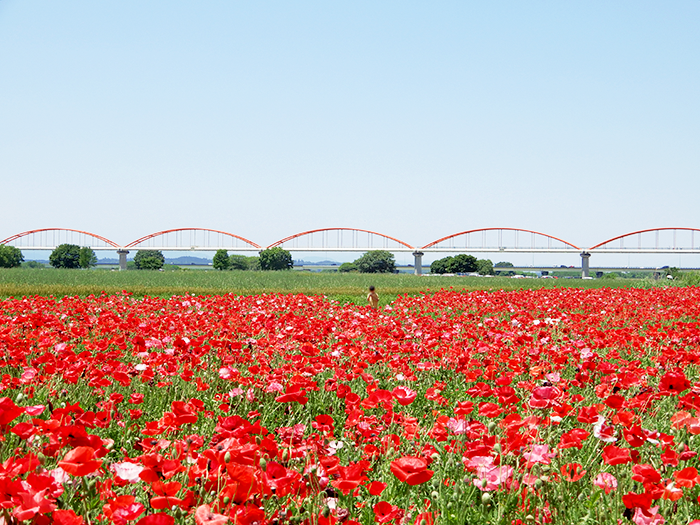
558, 405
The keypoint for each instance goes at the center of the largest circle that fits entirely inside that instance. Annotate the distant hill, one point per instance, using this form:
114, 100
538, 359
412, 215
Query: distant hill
187, 259
301, 262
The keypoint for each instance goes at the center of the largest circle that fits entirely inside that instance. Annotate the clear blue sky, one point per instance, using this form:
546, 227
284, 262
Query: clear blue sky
579, 119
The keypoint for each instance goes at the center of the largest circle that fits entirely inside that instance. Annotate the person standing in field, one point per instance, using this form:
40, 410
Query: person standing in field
372, 298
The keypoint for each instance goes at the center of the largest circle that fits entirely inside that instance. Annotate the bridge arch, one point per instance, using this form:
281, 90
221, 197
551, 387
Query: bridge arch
492, 240
50, 238
655, 239
202, 239
347, 239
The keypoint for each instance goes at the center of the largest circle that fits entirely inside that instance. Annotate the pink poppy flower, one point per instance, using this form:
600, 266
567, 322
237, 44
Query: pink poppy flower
605, 481
539, 454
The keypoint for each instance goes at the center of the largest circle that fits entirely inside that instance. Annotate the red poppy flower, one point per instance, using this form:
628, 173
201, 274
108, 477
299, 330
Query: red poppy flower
376, 488
242, 483
572, 471
404, 395
588, 414
632, 500
279, 480
424, 518
464, 408
157, 519
350, 477
672, 492
673, 383
645, 474
80, 461
323, 423
489, 410
688, 477
615, 401
573, 438
411, 470
669, 457
544, 396
122, 509
613, 455
9, 411
66, 517
384, 512
293, 394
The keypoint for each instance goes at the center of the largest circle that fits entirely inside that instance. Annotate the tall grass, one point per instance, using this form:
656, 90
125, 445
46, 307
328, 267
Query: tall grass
345, 287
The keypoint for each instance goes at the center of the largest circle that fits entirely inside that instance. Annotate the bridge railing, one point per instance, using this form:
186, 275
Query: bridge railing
658, 240
491, 240
193, 239
50, 238
341, 239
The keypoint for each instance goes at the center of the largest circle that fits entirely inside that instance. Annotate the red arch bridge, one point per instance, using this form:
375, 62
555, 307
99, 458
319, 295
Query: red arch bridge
482, 240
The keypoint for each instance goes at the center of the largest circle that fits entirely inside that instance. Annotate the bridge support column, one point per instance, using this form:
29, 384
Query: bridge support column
122, 259
585, 268
418, 263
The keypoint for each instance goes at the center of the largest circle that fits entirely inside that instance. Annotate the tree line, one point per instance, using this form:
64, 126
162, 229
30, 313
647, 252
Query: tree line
462, 263
375, 261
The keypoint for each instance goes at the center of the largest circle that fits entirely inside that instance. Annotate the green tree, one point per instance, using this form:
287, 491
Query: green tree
86, 257
221, 260
10, 257
33, 264
504, 264
376, 261
462, 263
149, 260
484, 267
440, 266
347, 267
276, 259
253, 263
239, 262
65, 256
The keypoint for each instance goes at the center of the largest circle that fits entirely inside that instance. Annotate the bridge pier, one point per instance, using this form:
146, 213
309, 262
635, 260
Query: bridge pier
418, 263
585, 264
122, 259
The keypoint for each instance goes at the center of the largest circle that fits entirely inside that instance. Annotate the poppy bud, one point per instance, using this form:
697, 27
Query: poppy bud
434, 494
530, 518
497, 448
285, 455
492, 426
538, 483
41, 458
227, 457
326, 511
19, 398
227, 500
486, 498
484, 482
263, 464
